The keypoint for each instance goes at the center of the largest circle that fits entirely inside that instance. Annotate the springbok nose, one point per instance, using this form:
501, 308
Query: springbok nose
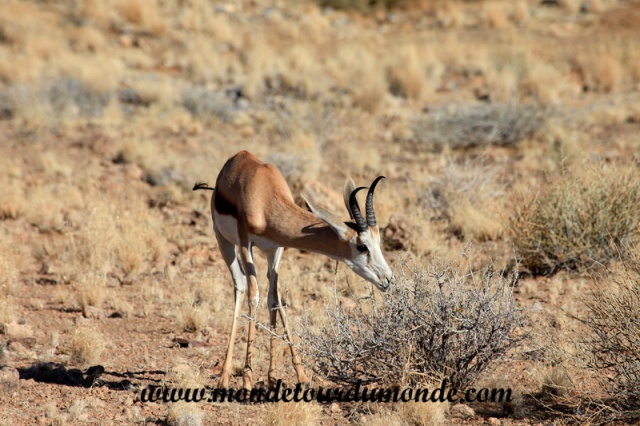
387, 283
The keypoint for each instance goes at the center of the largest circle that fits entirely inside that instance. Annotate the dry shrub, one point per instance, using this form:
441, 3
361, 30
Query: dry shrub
87, 39
90, 288
287, 414
124, 308
206, 104
185, 414
521, 12
543, 83
479, 125
299, 74
9, 273
87, 344
51, 103
193, 314
420, 413
370, 94
406, 76
153, 157
495, 14
613, 343
474, 222
8, 308
467, 196
296, 165
436, 322
94, 11
557, 382
12, 200
144, 13
51, 206
580, 222
599, 72
129, 235
152, 90
76, 410
359, 72
362, 5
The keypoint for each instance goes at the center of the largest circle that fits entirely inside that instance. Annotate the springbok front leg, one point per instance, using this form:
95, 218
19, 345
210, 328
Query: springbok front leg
228, 251
246, 256
275, 307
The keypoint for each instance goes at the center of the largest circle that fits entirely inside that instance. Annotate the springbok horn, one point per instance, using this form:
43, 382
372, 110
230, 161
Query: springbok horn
355, 209
371, 216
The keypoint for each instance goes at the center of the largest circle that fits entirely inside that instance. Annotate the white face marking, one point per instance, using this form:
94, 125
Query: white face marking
370, 264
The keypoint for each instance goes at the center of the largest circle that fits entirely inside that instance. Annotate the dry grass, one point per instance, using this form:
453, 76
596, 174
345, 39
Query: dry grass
613, 343
187, 376
185, 414
87, 344
495, 15
479, 125
193, 315
406, 75
9, 273
583, 221
469, 195
285, 414
90, 290
557, 381
419, 413
8, 308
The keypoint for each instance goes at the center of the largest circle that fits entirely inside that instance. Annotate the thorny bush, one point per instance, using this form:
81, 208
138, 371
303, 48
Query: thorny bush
436, 322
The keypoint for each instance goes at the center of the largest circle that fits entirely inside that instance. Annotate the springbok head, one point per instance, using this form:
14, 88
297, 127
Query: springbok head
364, 254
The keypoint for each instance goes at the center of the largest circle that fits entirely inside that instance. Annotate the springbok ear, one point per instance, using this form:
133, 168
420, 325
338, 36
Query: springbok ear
338, 227
349, 186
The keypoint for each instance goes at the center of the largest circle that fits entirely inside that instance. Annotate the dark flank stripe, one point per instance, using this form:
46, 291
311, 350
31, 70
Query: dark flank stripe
224, 206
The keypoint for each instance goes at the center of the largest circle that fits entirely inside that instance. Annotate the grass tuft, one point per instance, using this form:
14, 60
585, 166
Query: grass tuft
479, 125
585, 219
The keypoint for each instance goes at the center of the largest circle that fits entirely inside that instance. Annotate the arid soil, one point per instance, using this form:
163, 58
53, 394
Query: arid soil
110, 111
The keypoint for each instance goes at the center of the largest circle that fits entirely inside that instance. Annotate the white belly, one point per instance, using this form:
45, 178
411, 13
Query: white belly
227, 225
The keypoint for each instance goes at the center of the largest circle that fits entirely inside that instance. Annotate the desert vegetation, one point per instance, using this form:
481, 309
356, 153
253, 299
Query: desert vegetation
508, 133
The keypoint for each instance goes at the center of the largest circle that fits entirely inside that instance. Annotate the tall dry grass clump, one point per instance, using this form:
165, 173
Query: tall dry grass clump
87, 344
613, 345
285, 414
584, 219
436, 322
479, 125
468, 195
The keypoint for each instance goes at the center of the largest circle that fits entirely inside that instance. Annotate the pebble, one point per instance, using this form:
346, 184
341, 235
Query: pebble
462, 410
9, 379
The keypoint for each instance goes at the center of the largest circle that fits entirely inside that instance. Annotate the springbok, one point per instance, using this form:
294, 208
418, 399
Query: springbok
251, 206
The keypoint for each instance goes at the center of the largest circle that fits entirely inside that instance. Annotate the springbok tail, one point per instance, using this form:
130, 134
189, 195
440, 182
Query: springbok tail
202, 185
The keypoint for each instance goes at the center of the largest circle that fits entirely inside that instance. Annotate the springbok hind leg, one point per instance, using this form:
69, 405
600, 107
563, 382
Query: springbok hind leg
275, 308
253, 297
228, 251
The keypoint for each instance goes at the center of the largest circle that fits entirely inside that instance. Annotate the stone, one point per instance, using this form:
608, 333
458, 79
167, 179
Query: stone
462, 410
9, 379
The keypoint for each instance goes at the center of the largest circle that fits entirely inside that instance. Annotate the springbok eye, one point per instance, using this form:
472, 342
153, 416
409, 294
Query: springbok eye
362, 248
